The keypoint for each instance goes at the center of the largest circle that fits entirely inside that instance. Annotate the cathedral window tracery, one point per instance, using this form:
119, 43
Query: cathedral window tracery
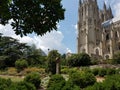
108, 48
119, 46
97, 52
99, 34
107, 36
107, 57
116, 35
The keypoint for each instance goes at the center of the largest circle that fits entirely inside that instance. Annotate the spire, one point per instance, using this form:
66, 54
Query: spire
80, 2
105, 6
95, 1
110, 11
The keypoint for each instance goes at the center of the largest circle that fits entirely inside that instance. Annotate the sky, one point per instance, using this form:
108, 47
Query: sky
65, 38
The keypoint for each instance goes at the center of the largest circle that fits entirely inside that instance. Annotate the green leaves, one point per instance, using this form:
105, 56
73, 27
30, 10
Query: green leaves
79, 60
29, 16
4, 11
51, 61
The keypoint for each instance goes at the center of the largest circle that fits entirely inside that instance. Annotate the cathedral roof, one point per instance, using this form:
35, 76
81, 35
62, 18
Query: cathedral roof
116, 19
110, 21
107, 23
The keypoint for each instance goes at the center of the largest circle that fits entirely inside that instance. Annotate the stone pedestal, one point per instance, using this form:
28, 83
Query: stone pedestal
57, 65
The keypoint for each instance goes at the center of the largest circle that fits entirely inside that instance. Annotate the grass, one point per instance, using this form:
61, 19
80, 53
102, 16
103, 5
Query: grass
13, 78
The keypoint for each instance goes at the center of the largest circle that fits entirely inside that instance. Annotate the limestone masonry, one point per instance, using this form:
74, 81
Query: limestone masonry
98, 30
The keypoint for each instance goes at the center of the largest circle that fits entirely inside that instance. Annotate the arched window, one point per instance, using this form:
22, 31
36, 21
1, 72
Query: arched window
82, 11
108, 48
83, 50
107, 37
95, 22
107, 56
116, 34
119, 46
97, 52
102, 17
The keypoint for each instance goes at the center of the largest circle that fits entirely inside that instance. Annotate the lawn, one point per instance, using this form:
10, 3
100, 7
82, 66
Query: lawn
13, 78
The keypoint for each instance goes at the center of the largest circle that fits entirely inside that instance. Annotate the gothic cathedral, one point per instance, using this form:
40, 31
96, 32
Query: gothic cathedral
98, 30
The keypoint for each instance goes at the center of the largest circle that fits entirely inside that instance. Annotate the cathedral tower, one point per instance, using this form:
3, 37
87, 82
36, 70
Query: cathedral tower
98, 31
88, 27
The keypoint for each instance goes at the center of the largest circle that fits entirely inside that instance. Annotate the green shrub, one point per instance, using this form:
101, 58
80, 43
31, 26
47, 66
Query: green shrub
72, 70
110, 83
56, 82
65, 71
82, 79
33, 78
96, 86
22, 86
116, 58
70, 86
86, 69
117, 71
111, 71
102, 72
72, 61
95, 71
5, 83
21, 64
69, 70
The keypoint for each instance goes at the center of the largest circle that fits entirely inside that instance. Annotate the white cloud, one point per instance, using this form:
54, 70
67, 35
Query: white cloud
68, 50
116, 7
115, 4
51, 41
1, 26
58, 26
76, 28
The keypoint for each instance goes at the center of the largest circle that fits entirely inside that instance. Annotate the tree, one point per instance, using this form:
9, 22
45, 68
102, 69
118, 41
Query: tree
51, 61
4, 11
116, 58
10, 50
35, 57
21, 64
29, 16
84, 59
79, 60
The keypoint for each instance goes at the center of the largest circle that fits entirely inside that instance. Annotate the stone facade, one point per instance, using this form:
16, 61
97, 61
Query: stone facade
98, 31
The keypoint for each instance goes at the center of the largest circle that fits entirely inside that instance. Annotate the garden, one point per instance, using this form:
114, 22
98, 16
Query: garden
24, 67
